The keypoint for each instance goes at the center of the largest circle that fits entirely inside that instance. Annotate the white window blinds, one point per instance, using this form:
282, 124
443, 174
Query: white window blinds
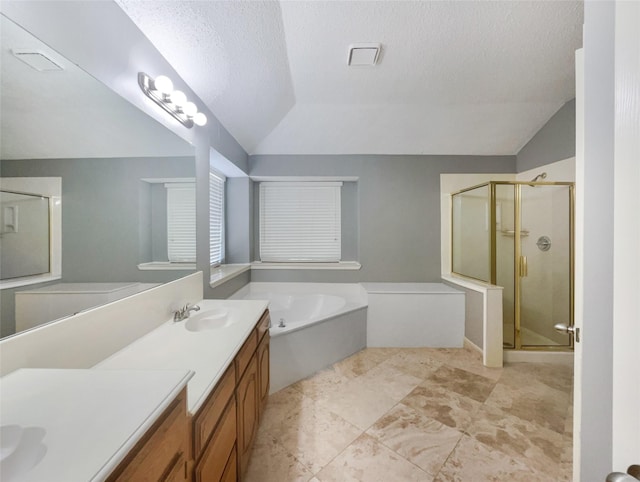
300, 221
181, 222
216, 218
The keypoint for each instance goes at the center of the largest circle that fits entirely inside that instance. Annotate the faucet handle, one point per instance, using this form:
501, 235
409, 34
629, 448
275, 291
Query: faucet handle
178, 314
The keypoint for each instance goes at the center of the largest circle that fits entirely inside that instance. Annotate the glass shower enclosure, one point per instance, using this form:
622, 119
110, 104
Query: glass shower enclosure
520, 235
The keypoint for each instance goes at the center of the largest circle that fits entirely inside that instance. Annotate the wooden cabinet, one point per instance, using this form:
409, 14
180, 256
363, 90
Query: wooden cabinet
262, 357
215, 444
247, 400
206, 419
231, 470
163, 452
213, 465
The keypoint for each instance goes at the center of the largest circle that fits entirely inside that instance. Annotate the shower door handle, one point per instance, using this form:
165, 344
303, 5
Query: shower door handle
524, 267
569, 330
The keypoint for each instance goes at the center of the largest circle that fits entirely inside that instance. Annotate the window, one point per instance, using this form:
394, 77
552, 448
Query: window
300, 221
181, 222
216, 218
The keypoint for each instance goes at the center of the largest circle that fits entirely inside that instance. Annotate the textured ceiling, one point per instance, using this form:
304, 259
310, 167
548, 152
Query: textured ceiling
455, 77
68, 113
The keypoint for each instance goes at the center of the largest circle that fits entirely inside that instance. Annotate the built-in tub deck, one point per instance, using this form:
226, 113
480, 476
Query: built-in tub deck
317, 324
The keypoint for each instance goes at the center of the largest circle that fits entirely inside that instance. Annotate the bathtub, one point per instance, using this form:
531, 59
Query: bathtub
313, 325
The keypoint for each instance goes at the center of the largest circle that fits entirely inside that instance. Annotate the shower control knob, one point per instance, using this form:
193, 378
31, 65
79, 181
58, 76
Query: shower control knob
544, 243
570, 330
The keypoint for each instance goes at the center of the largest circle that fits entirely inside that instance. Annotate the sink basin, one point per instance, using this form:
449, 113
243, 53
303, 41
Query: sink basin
208, 320
22, 450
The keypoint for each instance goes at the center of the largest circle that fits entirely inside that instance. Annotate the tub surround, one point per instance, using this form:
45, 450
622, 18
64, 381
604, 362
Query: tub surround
304, 304
80, 424
301, 353
207, 352
325, 322
415, 315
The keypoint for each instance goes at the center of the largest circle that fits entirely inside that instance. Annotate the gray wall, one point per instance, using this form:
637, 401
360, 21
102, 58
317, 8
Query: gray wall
238, 229
101, 214
399, 210
555, 141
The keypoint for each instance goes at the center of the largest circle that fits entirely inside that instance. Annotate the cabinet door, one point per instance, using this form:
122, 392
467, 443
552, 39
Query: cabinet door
231, 470
178, 473
247, 394
215, 458
262, 355
155, 455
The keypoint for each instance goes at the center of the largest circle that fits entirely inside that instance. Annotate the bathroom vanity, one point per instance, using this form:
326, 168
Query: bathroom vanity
82, 424
181, 402
225, 397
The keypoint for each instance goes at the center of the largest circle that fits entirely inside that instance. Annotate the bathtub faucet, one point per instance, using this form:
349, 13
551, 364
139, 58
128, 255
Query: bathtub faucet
184, 312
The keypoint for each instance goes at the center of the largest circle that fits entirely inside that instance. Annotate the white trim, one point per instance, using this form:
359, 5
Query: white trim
30, 280
50, 187
163, 180
224, 272
304, 178
530, 356
341, 265
471, 345
165, 266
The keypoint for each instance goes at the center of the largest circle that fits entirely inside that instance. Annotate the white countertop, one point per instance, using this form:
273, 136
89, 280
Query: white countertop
208, 352
78, 425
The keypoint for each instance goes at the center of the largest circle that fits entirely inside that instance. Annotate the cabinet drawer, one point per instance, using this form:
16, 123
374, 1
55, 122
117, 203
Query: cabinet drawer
244, 355
207, 417
154, 457
217, 452
263, 325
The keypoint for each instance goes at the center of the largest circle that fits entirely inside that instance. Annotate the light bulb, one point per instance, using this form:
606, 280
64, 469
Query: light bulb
190, 109
163, 84
178, 98
199, 119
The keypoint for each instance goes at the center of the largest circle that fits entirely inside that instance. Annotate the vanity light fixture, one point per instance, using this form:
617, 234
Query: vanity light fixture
160, 90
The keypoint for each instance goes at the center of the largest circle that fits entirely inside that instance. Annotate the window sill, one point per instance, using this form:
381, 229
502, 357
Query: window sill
28, 280
342, 265
166, 266
223, 273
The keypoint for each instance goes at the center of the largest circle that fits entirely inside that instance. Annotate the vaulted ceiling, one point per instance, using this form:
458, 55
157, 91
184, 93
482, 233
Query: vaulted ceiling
454, 77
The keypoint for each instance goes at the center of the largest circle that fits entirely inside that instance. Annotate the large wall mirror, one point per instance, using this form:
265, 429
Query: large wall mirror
115, 166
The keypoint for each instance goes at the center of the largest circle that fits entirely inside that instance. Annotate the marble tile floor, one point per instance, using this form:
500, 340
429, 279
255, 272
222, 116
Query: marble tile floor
419, 414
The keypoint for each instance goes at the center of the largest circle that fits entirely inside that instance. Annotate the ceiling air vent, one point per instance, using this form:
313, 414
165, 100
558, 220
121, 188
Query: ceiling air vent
363, 54
36, 59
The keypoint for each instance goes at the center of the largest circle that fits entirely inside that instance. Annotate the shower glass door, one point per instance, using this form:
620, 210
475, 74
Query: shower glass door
544, 264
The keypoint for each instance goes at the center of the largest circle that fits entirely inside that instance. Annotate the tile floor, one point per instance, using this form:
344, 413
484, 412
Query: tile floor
419, 414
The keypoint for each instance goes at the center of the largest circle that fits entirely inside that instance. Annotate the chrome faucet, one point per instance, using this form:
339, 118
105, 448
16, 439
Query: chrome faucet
184, 312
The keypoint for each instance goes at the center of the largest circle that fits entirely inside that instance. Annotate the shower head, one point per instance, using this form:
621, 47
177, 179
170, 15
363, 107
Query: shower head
539, 176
